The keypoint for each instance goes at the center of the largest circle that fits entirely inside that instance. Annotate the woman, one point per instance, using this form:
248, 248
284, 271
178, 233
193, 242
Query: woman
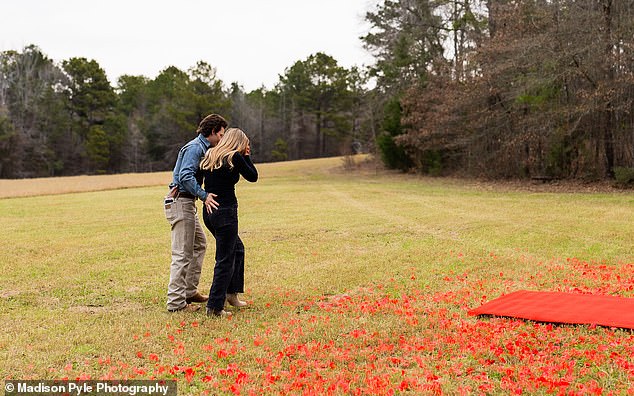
222, 166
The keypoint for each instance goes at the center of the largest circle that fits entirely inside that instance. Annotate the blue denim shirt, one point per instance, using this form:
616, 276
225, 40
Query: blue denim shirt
187, 167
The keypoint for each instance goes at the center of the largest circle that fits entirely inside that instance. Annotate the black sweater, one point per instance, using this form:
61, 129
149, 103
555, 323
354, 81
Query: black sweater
222, 181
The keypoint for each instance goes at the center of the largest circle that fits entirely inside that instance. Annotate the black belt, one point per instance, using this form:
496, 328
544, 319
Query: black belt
186, 195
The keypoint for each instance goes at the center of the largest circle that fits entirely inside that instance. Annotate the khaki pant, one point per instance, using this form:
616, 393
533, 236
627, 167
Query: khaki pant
188, 251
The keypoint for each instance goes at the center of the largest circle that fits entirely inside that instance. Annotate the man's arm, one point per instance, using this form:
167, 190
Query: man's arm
187, 172
187, 176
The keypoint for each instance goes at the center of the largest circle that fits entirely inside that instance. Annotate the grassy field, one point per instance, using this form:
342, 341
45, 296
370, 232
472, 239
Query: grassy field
359, 283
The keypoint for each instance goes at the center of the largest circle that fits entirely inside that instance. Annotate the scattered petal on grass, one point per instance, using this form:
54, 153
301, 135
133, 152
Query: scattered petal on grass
401, 336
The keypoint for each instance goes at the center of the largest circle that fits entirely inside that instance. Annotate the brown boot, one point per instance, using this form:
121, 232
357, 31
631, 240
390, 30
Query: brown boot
196, 298
186, 308
234, 301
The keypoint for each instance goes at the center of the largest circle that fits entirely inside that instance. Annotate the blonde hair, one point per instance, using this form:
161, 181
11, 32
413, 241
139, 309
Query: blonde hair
233, 141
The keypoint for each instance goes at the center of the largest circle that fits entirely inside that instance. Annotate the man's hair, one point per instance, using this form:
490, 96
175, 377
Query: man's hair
211, 124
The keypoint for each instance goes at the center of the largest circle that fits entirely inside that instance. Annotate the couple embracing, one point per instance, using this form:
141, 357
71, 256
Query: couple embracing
208, 168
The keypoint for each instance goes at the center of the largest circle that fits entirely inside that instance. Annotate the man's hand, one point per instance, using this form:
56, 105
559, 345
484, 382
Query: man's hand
210, 202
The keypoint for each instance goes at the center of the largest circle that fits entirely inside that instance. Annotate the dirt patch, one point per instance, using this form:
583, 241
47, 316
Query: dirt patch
6, 294
100, 309
555, 186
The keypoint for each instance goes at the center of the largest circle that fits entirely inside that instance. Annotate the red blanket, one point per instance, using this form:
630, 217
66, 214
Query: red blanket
557, 307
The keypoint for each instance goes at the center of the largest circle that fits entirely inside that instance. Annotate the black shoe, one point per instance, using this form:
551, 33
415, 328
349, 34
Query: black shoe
218, 314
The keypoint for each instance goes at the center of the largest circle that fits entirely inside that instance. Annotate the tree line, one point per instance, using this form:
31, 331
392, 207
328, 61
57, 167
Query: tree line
508, 88
67, 119
495, 88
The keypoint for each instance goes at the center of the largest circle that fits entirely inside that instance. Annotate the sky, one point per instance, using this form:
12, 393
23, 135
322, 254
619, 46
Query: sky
250, 42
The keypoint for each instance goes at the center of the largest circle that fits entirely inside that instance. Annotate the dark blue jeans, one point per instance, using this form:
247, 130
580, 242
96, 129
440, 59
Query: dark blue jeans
229, 268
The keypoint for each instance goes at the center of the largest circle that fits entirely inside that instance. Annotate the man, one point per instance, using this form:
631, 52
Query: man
188, 238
